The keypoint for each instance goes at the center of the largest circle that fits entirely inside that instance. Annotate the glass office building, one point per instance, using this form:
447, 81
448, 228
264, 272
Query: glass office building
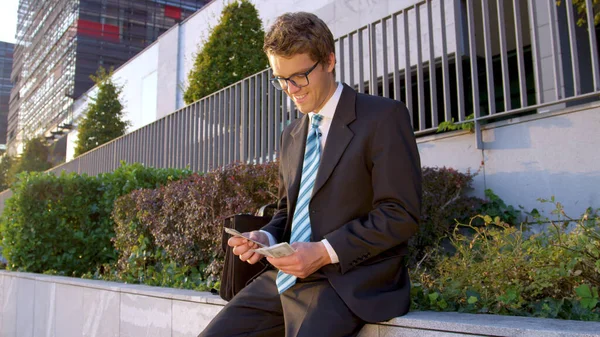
60, 43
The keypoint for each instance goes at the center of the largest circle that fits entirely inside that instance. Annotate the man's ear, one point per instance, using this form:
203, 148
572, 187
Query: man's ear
331, 62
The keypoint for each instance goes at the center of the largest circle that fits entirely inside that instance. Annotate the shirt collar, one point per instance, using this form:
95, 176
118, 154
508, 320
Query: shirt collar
329, 108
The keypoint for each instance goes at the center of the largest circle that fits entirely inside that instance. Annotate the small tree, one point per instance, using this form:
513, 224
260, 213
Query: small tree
35, 158
103, 120
6, 164
232, 52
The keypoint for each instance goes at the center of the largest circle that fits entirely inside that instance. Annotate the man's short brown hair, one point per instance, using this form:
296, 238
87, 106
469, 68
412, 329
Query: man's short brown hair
299, 33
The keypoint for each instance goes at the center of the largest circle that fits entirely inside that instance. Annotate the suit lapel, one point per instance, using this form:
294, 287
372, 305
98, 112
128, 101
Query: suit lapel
296, 158
338, 138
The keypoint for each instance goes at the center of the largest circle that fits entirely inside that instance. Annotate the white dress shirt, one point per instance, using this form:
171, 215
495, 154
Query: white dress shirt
327, 112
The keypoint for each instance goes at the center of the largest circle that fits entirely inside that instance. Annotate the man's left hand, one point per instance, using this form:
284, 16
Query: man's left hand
308, 258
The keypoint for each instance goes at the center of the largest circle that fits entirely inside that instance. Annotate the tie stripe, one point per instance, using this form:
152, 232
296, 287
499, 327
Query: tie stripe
301, 222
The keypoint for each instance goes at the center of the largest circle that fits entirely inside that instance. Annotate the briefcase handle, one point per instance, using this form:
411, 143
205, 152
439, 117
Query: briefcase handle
261, 211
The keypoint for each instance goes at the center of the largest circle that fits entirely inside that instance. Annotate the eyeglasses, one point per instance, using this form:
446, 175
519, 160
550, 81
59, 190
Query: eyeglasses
298, 80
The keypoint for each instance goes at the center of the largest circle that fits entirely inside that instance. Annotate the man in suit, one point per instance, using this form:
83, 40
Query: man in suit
349, 200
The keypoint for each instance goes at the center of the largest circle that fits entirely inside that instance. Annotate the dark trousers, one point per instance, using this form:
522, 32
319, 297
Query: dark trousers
310, 308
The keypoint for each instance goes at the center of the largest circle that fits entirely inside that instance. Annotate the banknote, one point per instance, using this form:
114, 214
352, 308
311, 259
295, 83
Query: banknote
278, 250
236, 233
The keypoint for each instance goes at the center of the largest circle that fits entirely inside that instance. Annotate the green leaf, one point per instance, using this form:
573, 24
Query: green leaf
472, 300
589, 303
584, 291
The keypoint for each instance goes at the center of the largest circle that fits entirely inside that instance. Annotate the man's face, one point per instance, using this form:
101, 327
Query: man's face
312, 97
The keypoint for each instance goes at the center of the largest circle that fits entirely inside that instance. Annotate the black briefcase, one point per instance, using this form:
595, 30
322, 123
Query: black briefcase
237, 273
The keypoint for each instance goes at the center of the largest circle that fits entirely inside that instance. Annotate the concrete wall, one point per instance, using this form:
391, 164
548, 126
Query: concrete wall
33, 305
530, 157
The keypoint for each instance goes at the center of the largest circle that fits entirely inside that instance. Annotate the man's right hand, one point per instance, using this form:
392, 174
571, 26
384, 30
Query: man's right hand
242, 247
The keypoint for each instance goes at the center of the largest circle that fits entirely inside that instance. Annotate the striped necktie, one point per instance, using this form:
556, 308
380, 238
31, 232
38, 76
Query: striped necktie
301, 222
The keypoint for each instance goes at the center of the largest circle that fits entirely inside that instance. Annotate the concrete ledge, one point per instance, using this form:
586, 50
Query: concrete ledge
42, 305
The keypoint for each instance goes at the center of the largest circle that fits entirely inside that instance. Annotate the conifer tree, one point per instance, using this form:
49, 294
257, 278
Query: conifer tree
103, 120
232, 52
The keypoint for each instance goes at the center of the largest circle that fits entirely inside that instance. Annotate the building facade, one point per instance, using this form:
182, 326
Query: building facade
60, 43
6, 60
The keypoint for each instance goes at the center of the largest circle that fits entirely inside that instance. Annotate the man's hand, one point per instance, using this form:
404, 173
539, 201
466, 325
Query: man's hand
242, 247
308, 258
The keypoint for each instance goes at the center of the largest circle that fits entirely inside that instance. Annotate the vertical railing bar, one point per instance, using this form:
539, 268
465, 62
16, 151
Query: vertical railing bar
555, 43
228, 125
396, 78
179, 135
373, 85
361, 79
270, 116
458, 59
194, 138
173, 141
145, 146
251, 125
205, 139
503, 55
176, 131
222, 128
351, 59
183, 131
385, 78
168, 149
445, 75
342, 60
167, 135
245, 98
257, 116
157, 147
237, 155
189, 141
202, 136
233, 124
407, 68
277, 126
420, 79
489, 63
519, 47
263, 114
163, 138
211, 133
432, 74
573, 47
535, 54
593, 43
474, 77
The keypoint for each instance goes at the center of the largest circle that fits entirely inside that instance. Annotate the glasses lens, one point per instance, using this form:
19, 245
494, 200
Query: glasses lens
299, 80
278, 83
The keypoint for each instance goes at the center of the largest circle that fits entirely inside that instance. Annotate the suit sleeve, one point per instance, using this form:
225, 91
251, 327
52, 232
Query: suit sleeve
396, 182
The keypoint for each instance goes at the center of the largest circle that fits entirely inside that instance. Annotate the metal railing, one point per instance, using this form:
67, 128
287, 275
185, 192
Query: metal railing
445, 59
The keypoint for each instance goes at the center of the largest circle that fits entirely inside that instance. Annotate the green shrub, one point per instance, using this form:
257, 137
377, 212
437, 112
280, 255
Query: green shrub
174, 233
444, 200
498, 269
495, 207
51, 223
63, 223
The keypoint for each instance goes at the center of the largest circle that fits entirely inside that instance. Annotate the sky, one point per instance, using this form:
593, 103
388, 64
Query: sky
8, 20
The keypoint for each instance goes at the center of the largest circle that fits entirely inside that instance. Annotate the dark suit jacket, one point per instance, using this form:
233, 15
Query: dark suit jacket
366, 200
